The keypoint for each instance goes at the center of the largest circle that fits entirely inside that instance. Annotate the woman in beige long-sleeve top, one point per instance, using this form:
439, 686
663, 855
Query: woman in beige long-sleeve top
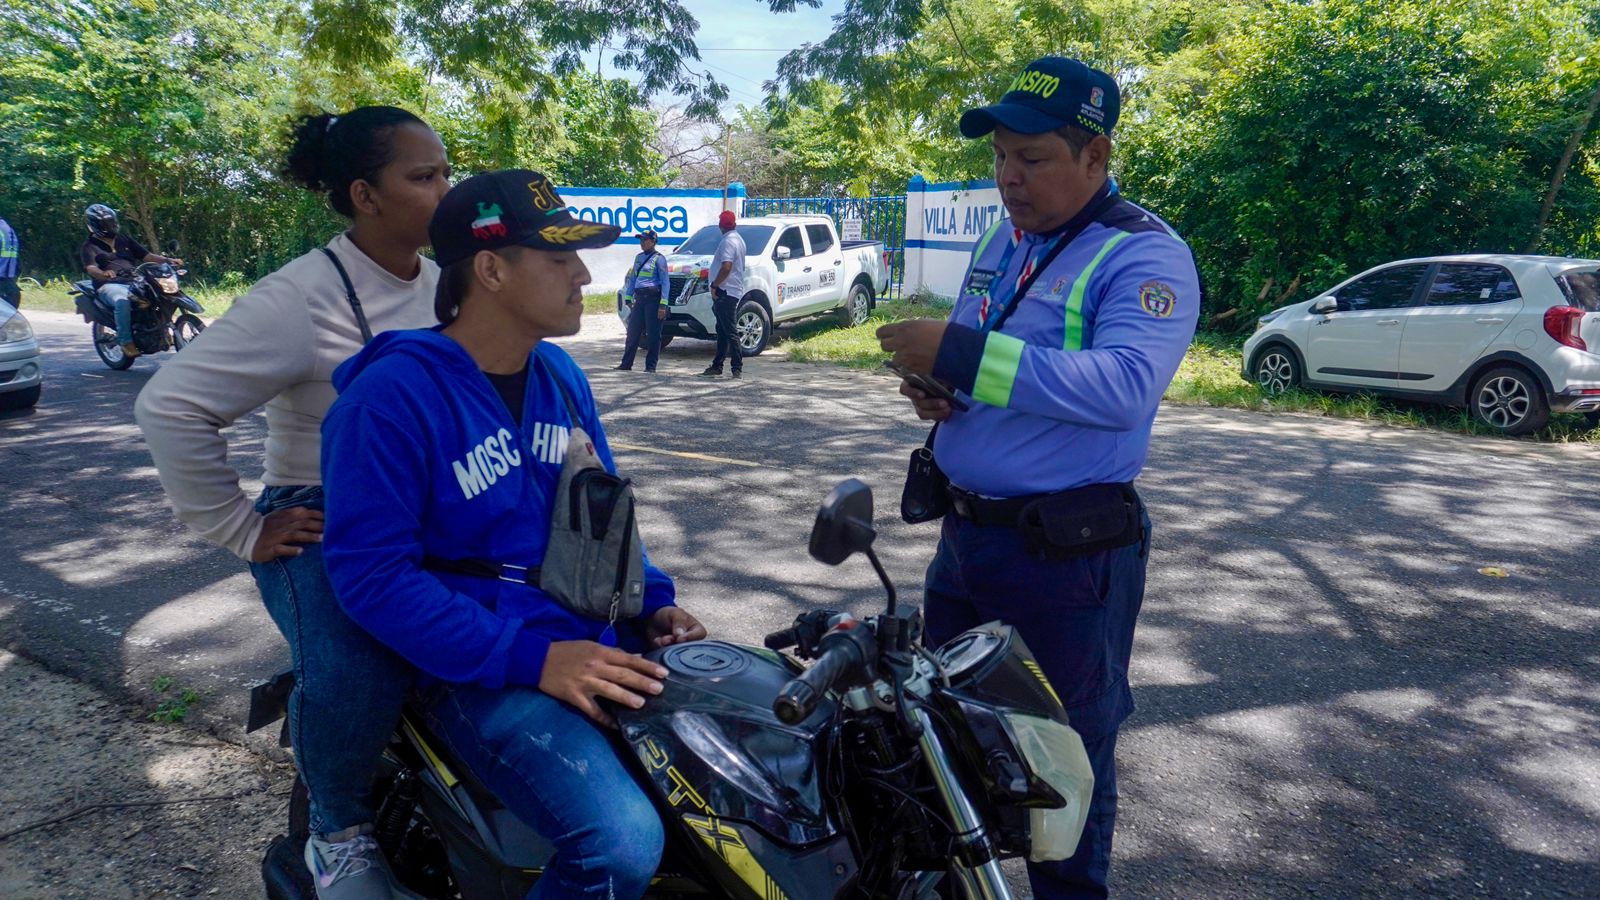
384, 170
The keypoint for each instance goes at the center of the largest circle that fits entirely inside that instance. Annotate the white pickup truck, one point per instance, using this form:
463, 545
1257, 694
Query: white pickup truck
796, 267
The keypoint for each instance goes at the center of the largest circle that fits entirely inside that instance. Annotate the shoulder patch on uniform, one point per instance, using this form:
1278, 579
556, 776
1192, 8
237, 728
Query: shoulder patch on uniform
1158, 298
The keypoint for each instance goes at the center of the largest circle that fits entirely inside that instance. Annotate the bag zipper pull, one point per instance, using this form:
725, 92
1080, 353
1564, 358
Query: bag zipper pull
609, 636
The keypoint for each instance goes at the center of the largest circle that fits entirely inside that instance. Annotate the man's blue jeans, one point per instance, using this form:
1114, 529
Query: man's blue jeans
558, 772
1077, 616
348, 687
120, 296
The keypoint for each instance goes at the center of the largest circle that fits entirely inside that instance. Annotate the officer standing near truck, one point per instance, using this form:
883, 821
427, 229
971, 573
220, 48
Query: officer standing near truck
649, 289
1075, 313
10, 250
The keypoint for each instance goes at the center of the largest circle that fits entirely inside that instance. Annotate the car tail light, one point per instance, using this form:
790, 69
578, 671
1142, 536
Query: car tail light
1561, 323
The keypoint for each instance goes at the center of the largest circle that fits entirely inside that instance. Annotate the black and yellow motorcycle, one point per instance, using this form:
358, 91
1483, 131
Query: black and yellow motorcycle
882, 770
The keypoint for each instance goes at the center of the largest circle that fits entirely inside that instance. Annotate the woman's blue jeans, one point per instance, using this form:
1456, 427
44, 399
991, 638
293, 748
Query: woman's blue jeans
558, 772
348, 687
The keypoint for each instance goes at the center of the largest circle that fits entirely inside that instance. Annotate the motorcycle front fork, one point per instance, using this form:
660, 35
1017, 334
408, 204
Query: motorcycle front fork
976, 867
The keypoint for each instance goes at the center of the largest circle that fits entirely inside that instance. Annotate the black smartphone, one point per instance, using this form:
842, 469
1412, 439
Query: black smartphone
929, 386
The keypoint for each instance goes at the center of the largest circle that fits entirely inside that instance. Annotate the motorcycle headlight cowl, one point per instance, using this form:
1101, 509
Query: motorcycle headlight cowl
1055, 754
168, 284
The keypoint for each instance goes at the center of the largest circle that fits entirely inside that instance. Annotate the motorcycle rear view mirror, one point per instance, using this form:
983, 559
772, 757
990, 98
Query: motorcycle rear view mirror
172, 246
844, 523
844, 528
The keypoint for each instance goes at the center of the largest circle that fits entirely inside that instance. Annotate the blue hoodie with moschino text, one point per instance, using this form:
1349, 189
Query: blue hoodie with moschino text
421, 457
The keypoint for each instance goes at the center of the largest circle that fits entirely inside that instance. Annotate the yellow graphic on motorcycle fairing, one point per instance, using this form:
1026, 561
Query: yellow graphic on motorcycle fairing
1039, 674
439, 768
722, 838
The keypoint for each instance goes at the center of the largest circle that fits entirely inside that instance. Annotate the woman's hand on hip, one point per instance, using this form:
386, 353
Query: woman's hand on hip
284, 531
579, 672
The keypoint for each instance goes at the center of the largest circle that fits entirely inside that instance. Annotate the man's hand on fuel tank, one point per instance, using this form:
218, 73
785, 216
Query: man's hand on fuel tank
673, 625
914, 343
579, 672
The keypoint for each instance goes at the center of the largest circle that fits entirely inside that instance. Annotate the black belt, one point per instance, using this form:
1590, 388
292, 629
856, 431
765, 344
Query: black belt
1065, 524
982, 510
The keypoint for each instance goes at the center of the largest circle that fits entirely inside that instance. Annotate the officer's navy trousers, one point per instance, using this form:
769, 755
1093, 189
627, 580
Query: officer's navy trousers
644, 323
1077, 616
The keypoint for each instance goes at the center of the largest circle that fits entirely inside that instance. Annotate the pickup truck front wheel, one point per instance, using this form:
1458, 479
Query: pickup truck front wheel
753, 327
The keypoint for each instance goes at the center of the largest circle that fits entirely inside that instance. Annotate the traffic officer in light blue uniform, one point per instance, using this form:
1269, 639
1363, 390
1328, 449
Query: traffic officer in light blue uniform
1073, 316
649, 289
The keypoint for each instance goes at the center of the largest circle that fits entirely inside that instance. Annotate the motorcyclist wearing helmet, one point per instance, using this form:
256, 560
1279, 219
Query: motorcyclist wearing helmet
109, 256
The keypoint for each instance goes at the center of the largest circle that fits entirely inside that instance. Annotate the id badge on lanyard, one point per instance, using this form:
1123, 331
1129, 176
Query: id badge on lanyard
1002, 291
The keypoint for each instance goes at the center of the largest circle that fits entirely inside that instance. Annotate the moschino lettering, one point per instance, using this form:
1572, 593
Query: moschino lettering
496, 455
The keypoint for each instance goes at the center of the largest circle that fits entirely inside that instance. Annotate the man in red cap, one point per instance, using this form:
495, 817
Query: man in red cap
727, 289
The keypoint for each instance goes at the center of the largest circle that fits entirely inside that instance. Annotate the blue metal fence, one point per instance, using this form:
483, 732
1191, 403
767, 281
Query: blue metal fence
882, 219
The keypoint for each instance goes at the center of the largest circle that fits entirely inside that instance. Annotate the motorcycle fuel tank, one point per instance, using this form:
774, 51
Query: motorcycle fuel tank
747, 789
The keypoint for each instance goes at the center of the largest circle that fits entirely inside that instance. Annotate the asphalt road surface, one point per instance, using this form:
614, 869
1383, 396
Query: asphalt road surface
1334, 699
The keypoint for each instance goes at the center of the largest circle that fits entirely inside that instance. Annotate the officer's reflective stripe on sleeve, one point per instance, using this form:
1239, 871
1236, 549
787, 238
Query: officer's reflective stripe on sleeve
1073, 338
997, 371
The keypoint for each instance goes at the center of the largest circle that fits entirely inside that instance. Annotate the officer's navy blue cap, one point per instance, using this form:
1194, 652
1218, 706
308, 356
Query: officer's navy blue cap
506, 208
1051, 92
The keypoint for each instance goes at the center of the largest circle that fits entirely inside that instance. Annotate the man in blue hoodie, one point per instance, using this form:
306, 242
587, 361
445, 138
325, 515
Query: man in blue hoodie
447, 444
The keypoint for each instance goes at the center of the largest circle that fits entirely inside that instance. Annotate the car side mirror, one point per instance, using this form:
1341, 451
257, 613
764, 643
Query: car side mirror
844, 523
781, 253
1325, 305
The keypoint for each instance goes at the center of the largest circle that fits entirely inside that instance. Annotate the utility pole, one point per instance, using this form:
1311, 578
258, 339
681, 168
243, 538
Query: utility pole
727, 156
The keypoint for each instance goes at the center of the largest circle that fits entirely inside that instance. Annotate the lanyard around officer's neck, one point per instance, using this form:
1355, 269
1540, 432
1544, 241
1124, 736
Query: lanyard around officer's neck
998, 305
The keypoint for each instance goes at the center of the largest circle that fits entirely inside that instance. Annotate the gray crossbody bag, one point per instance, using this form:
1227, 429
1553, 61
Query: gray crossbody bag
594, 562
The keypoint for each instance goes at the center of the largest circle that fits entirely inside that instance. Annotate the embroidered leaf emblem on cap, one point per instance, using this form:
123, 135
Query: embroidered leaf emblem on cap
566, 234
488, 225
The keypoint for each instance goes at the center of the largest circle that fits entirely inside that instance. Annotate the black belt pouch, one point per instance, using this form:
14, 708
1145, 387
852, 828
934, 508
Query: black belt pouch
925, 496
1079, 522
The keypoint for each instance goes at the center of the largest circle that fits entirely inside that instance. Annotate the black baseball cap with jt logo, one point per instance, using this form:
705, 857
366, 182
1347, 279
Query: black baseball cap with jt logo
1051, 92
506, 208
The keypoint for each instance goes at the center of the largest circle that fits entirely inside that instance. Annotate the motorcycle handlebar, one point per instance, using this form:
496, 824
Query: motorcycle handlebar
799, 698
782, 640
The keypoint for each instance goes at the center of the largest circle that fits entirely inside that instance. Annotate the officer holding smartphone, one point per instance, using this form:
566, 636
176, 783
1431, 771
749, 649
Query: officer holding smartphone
1072, 319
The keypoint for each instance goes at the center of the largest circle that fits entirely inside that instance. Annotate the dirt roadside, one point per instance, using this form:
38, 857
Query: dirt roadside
71, 746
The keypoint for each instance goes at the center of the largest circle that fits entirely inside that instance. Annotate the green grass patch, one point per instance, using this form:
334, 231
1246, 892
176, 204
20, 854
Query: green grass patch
51, 296
1210, 376
175, 701
824, 340
597, 302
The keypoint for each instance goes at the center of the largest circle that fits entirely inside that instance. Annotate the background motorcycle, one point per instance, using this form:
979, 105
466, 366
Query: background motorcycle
163, 315
878, 772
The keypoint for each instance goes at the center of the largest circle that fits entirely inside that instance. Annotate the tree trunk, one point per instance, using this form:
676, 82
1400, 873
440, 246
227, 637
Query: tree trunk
1561, 170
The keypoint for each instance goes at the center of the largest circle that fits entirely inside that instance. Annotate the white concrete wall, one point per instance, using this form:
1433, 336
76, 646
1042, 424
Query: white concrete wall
673, 213
943, 223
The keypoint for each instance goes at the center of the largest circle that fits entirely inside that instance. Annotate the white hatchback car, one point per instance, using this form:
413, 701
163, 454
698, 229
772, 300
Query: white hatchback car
1511, 338
20, 373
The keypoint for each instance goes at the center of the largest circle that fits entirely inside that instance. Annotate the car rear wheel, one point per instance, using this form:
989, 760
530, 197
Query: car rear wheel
857, 306
751, 328
1277, 370
1510, 401
108, 349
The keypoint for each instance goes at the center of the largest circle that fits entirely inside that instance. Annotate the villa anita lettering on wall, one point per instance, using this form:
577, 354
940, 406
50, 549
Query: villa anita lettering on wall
972, 222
